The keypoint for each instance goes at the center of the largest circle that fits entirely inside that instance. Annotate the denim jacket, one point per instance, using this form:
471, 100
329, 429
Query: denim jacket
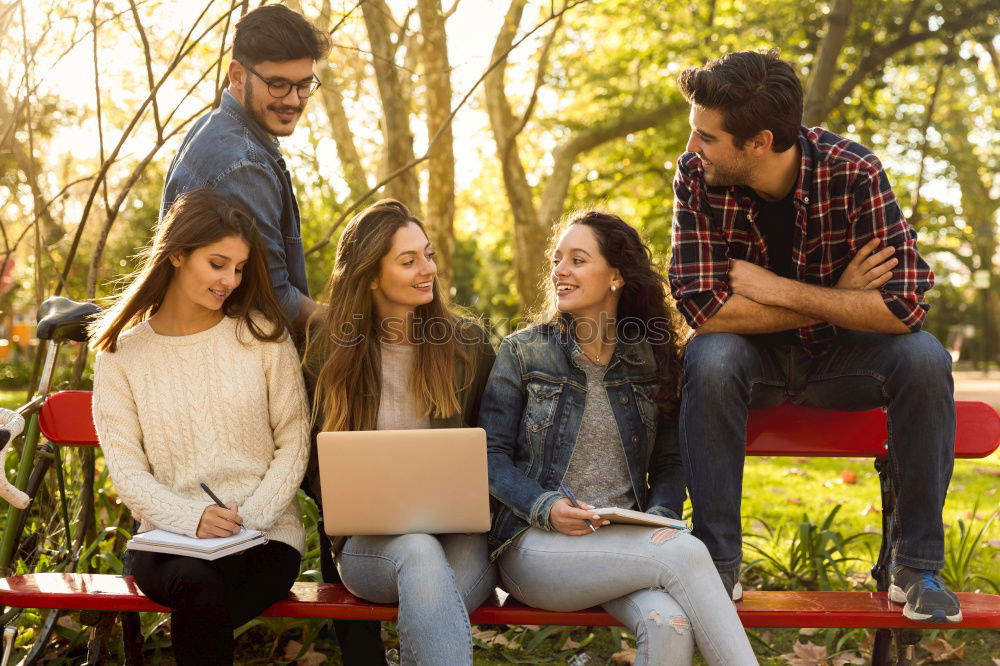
228, 152
532, 409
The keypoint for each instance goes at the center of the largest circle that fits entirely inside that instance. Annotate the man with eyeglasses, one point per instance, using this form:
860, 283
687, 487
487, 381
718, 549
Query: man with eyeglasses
234, 149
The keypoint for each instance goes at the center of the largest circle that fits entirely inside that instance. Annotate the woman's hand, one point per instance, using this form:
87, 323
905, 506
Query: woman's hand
218, 522
569, 520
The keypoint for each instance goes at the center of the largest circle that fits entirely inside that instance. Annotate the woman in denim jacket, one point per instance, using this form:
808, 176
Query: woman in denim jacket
588, 399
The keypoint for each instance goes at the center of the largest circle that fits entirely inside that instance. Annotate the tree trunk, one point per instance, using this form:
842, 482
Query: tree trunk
395, 107
441, 165
825, 63
529, 234
567, 152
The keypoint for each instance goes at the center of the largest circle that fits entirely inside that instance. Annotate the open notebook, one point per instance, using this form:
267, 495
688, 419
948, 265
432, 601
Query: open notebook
162, 541
630, 517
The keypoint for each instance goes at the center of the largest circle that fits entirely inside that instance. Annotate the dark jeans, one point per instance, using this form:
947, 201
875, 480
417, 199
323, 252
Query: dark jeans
726, 375
209, 599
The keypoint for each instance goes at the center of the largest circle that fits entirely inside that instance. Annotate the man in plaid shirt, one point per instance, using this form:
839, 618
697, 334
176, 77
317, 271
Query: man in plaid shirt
793, 263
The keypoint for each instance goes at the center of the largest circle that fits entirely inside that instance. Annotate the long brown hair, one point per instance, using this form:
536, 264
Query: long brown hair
344, 351
644, 308
196, 219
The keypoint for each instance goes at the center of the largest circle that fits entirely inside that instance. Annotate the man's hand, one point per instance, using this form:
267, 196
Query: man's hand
219, 522
867, 270
569, 520
752, 281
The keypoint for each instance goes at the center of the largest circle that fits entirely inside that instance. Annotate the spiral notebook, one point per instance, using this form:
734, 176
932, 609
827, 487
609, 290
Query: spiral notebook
162, 541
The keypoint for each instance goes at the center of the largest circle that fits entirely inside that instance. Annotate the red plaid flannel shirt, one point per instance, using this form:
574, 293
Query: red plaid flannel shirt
843, 200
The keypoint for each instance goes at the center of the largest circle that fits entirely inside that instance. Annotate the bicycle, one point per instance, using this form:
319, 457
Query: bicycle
60, 320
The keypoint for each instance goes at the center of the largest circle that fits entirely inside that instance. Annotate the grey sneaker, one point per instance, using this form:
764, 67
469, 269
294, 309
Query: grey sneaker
731, 581
925, 595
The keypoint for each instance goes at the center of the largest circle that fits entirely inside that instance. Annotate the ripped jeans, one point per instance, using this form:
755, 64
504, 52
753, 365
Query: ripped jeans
660, 583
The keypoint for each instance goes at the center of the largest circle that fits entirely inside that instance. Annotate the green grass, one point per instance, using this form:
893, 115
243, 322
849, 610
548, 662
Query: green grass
782, 489
12, 399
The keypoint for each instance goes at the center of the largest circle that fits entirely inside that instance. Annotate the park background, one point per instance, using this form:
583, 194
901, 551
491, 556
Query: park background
491, 119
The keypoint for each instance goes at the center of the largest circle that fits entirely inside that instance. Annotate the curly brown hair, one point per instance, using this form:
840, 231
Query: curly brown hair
645, 310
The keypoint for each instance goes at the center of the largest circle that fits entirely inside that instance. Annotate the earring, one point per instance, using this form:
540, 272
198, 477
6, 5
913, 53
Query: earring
614, 288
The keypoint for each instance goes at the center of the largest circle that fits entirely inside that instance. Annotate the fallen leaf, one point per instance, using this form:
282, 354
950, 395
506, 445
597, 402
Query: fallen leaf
858, 579
941, 650
765, 637
994, 543
484, 636
793, 471
776, 490
310, 658
624, 658
570, 644
847, 476
797, 501
808, 632
806, 655
872, 530
996, 661
68, 622
870, 509
988, 471
829, 500
848, 658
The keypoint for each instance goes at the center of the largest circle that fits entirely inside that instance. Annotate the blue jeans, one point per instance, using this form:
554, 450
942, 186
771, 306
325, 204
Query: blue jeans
660, 583
726, 375
435, 579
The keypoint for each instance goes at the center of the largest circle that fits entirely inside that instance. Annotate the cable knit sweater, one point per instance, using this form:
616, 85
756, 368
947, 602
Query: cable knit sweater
218, 407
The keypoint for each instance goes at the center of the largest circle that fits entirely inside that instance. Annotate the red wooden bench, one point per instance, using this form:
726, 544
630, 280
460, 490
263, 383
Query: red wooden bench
787, 430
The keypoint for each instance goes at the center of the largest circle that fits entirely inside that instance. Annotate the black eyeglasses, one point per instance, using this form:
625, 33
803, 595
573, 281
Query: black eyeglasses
279, 88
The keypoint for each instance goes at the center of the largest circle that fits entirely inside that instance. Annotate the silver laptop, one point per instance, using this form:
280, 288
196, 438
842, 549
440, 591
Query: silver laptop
404, 481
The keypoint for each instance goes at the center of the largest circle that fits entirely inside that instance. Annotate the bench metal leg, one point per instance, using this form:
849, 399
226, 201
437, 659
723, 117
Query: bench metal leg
97, 647
9, 634
132, 639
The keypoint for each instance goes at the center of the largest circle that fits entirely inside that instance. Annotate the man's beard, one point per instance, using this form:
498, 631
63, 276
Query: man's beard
739, 172
259, 118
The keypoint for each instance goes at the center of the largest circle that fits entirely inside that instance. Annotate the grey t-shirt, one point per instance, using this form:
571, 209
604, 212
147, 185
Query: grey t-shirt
597, 472
398, 408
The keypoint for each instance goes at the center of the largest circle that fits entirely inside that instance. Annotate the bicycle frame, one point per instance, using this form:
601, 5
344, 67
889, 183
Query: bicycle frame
29, 477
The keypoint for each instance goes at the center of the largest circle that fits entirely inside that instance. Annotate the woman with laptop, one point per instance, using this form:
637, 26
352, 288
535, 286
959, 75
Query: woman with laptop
389, 354
581, 412
197, 384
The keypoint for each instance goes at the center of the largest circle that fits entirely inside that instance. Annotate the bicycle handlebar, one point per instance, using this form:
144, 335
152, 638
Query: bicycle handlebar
13, 424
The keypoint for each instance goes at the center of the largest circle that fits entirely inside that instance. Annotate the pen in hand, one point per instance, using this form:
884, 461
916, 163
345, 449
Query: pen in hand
569, 495
215, 498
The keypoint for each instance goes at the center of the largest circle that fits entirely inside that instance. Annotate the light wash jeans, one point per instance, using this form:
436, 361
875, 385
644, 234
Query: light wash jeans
660, 583
436, 579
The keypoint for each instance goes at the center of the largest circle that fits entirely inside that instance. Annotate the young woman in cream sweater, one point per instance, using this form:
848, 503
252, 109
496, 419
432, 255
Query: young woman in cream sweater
196, 381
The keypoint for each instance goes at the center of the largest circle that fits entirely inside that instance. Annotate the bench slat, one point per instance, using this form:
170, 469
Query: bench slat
873, 610
786, 430
794, 430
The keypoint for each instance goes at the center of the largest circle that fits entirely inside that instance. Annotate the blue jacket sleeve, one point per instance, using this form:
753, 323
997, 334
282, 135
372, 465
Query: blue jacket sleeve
666, 475
502, 416
254, 187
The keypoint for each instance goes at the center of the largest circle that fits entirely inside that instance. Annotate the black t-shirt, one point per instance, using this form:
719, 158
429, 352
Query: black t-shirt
776, 222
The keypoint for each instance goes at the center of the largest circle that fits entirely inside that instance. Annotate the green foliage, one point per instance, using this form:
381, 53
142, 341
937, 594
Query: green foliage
960, 552
809, 555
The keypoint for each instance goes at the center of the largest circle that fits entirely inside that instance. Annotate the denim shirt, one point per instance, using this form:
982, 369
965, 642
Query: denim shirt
532, 409
228, 152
